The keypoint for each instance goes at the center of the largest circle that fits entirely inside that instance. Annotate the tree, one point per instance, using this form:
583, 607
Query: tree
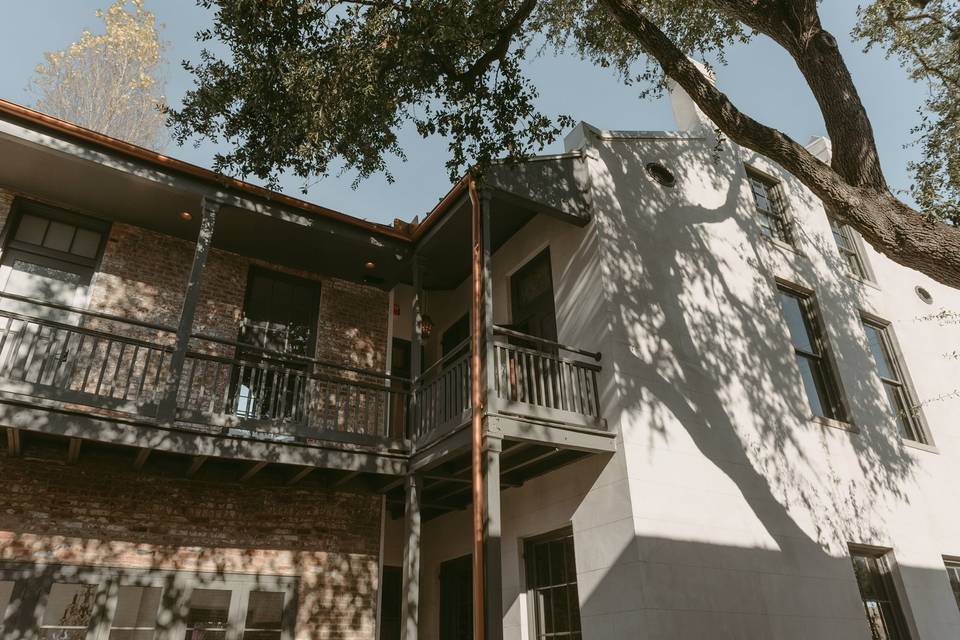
310, 81
111, 82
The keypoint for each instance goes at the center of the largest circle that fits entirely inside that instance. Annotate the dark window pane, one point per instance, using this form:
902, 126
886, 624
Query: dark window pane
813, 385
59, 236
554, 589
207, 617
795, 316
953, 572
86, 243
878, 349
6, 590
880, 602
31, 229
69, 611
136, 615
265, 611
771, 215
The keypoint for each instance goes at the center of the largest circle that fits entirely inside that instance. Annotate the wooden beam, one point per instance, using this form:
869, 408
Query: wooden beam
195, 465
253, 470
13, 442
73, 451
168, 404
300, 475
345, 479
141, 458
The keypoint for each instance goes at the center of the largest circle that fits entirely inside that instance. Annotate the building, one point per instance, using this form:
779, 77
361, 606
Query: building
709, 412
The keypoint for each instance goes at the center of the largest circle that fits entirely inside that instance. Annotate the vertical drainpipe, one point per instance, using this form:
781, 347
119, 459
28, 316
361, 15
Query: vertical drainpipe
478, 402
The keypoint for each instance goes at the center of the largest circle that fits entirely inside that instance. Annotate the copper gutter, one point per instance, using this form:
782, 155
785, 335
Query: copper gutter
478, 397
437, 212
172, 164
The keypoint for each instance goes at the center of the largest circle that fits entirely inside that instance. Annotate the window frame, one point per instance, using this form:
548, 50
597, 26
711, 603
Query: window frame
835, 402
781, 227
32, 584
952, 565
904, 384
890, 580
83, 267
528, 567
853, 250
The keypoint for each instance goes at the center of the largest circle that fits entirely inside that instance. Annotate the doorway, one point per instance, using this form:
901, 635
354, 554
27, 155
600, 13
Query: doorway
456, 599
532, 306
279, 321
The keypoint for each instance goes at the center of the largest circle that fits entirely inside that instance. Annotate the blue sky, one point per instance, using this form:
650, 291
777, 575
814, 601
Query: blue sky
760, 78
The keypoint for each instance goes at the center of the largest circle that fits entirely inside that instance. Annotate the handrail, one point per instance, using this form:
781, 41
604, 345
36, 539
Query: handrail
453, 356
504, 331
159, 327
95, 333
300, 358
87, 312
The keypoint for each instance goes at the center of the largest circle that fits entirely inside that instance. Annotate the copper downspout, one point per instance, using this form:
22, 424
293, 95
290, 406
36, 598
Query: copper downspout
479, 401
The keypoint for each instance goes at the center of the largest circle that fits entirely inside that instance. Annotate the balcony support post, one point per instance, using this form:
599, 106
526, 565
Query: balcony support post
485, 449
416, 345
410, 605
168, 403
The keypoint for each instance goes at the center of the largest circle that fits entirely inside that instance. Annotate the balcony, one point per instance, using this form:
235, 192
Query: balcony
105, 367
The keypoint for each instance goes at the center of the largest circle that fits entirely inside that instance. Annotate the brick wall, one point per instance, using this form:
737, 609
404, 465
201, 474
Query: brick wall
6, 201
143, 276
89, 514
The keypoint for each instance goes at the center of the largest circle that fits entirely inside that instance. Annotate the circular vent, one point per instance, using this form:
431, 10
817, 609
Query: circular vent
661, 174
923, 294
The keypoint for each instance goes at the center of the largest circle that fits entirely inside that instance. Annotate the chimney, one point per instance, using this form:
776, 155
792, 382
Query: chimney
821, 147
688, 115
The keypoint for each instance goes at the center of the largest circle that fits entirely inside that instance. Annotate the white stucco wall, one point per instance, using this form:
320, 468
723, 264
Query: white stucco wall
726, 511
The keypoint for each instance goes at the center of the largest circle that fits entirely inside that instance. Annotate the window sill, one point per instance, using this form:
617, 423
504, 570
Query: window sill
835, 424
784, 246
920, 446
864, 282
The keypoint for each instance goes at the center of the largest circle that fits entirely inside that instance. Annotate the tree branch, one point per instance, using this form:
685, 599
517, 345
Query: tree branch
887, 224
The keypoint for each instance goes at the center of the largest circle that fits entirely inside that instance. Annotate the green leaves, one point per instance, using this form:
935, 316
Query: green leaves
925, 37
309, 85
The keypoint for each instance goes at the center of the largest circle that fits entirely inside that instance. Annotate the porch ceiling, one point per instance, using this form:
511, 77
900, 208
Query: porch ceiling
68, 174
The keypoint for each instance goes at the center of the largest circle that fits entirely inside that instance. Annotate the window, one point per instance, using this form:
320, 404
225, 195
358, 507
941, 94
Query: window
136, 616
6, 591
767, 197
875, 580
899, 397
809, 346
50, 255
552, 586
849, 251
69, 611
953, 573
73, 603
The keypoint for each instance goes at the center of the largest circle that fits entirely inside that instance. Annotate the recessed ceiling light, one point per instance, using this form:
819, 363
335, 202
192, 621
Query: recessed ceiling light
369, 264
186, 215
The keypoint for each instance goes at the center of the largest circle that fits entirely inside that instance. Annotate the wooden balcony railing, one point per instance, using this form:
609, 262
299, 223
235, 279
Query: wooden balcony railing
60, 353
56, 352
532, 380
443, 394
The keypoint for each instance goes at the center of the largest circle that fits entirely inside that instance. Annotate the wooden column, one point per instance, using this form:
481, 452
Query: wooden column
416, 345
485, 451
168, 404
410, 605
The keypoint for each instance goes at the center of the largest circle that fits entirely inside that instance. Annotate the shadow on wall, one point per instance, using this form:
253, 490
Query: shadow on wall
710, 361
690, 589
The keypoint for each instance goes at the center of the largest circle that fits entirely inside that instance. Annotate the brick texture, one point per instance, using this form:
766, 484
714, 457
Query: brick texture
89, 515
143, 276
